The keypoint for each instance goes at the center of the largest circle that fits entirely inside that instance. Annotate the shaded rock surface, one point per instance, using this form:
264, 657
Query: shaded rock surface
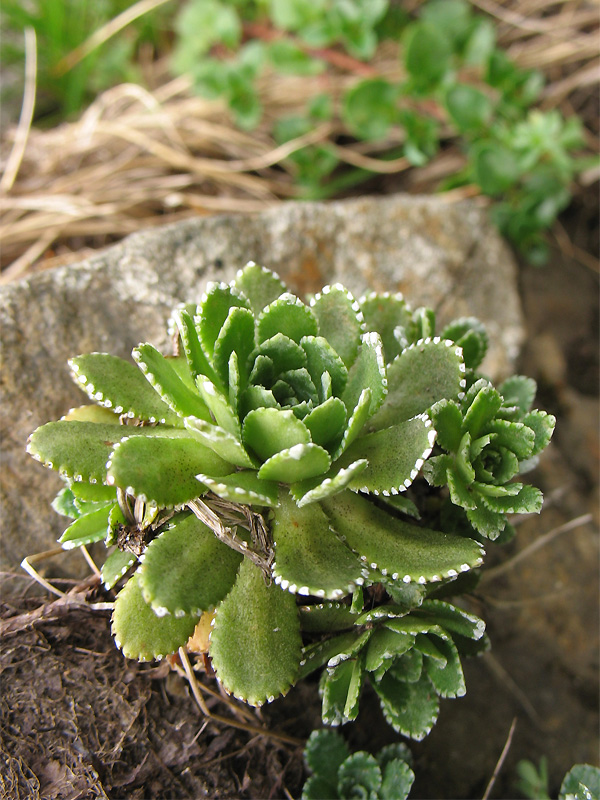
447, 256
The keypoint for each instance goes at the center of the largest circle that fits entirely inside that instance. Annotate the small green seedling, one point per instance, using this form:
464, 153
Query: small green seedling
292, 468
338, 774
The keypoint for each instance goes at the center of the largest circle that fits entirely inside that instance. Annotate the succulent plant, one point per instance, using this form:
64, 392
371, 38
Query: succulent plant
336, 773
257, 479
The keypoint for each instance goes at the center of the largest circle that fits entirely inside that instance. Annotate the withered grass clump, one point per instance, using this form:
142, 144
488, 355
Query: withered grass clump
139, 157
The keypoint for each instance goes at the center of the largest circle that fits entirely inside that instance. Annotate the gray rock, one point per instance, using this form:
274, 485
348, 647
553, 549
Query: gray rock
444, 255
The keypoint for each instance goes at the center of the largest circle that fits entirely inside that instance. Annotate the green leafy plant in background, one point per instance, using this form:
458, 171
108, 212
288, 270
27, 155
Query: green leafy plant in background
457, 84
269, 477
338, 774
582, 782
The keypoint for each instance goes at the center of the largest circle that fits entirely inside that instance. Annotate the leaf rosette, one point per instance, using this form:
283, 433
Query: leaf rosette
269, 457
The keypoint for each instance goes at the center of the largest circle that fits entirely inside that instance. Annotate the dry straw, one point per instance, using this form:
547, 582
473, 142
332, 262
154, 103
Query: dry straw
139, 157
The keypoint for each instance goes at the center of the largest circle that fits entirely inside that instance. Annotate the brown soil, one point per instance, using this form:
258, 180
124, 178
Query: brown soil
79, 721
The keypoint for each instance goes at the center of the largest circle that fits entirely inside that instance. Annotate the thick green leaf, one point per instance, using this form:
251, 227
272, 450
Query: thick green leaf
333, 651
519, 391
284, 353
384, 313
287, 315
261, 286
297, 463
469, 108
482, 410
64, 503
214, 310
340, 320
324, 752
326, 421
471, 336
219, 406
140, 633
582, 782
120, 386
542, 425
340, 688
309, 556
220, 441
360, 772
356, 422
335, 480
368, 370
424, 373
115, 566
78, 450
197, 359
237, 334
187, 570
528, 500
426, 54
326, 617
321, 358
164, 377
410, 708
395, 456
386, 644
267, 431
88, 528
398, 548
370, 108
447, 421
397, 781
255, 644
243, 486
452, 618
163, 469
447, 678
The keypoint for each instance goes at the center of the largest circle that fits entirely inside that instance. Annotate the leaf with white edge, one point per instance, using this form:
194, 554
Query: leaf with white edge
326, 617
261, 286
321, 358
295, 386
287, 315
403, 504
407, 667
528, 500
64, 504
452, 618
338, 690
518, 391
385, 644
78, 450
165, 379
236, 335
196, 357
471, 336
242, 487
214, 309
369, 370
220, 441
357, 679
447, 678
424, 373
582, 782
355, 424
430, 648
326, 421
140, 633
85, 530
397, 548
397, 782
395, 456
115, 566
332, 651
359, 776
488, 523
93, 492
542, 425
309, 556
340, 320
284, 353
120, 386
163, 469
447, 420
325, 751
482, 410
410, 708
186, 569
296, 464
254, 397
384, 313
255, 643
219, 407
267, 431
335, 480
